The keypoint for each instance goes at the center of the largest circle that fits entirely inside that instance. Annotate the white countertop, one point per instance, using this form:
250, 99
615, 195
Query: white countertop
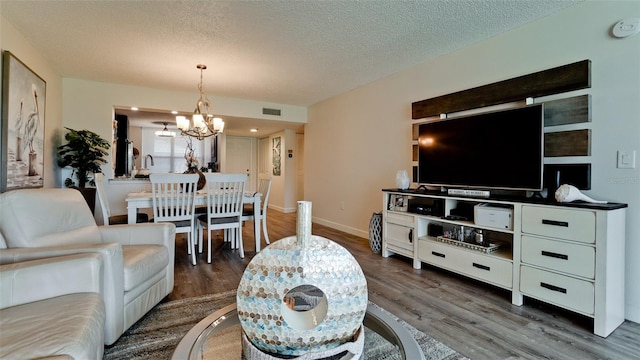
128, 180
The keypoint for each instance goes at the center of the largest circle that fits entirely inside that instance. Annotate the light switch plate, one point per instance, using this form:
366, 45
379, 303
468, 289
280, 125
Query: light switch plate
626, 159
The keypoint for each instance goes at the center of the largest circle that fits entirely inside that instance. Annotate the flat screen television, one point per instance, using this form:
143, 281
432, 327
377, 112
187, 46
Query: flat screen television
493, 150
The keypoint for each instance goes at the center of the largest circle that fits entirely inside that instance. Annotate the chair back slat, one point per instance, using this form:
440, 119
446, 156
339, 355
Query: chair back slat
173, 196
264, 188
224, 195
102, 197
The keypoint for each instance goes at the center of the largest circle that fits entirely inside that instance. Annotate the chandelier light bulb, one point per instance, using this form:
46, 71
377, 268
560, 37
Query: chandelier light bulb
218, 124
198, 121
182, 122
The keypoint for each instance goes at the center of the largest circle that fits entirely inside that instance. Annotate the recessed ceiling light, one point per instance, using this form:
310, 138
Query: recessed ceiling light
254, 130
134, 108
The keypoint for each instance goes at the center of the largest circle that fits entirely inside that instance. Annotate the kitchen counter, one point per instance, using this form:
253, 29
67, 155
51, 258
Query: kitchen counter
128, 180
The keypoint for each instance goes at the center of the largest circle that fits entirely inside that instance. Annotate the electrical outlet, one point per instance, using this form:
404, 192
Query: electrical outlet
341, 205
626, 159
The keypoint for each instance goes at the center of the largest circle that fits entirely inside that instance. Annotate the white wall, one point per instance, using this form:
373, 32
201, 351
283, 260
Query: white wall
13, 41
283, 196
355, 142
89, 104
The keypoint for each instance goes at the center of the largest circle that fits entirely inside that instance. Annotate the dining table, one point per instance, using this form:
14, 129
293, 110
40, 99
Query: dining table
144, 199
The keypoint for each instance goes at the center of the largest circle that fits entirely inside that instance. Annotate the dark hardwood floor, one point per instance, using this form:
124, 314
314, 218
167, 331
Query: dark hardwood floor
475, 319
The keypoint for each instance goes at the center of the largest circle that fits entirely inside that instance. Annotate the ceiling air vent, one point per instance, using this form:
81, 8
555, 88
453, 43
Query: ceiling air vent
267, 111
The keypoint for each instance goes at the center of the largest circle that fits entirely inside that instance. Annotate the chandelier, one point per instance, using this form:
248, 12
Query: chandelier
202, 124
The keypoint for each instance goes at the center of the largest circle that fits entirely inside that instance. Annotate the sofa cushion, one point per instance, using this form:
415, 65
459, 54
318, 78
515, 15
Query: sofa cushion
141, 262
70, 325
33, 218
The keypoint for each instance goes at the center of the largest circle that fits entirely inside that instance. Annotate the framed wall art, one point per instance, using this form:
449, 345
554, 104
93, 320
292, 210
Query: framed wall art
276, 155
22, 130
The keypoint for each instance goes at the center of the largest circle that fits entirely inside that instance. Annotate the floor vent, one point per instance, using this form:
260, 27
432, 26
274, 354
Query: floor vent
267, 111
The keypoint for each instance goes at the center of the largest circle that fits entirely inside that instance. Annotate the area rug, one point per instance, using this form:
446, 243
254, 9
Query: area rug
158, 333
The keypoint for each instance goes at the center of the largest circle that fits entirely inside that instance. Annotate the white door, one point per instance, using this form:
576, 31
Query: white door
241, 158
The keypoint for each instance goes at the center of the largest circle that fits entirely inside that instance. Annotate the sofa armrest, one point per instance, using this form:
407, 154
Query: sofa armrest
15, 255
145, 234
140, 234
36, 280
113, 275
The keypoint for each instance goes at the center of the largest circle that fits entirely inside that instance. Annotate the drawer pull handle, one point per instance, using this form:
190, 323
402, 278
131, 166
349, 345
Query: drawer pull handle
410, 235
555, 255
555, 223
483, 267
553, 288
438, 254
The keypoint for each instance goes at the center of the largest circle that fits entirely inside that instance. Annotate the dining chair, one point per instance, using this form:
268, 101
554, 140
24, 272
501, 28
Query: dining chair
173, 197
248, 213
107, 218
225, 193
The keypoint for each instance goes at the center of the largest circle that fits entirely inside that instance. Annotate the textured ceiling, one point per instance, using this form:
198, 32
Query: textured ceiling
287, 52
290, 52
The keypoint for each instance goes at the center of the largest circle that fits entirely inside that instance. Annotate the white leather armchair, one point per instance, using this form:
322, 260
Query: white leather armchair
52, 308
137, 259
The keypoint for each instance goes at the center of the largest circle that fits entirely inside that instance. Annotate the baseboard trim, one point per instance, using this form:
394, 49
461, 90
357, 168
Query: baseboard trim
282, 209
632, 312
331, 224
343, 228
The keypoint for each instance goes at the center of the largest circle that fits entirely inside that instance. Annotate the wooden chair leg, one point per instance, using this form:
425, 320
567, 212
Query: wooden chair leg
208, 245
264, 230
200, 240
239, 240
231, 237
190, 242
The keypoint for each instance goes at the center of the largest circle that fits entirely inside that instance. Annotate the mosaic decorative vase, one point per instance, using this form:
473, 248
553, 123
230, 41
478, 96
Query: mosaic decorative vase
302, 294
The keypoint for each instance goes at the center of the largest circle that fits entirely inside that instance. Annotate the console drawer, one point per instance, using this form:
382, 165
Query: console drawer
557, 289
401, 219
560, 256
487, 268
571, 224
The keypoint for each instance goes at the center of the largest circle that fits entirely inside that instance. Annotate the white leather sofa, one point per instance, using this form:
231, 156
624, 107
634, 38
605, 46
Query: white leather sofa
137, 259
52, 308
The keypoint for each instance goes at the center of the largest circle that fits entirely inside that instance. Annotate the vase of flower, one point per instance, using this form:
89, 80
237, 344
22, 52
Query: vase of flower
192, 164
202, 181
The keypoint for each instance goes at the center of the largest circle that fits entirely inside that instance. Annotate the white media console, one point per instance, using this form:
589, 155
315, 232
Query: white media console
569, 255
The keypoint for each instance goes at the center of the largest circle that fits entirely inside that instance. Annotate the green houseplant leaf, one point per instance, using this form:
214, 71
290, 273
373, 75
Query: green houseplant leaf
85, 152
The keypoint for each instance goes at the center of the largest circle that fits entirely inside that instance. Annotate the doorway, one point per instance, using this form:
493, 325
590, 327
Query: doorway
241, 158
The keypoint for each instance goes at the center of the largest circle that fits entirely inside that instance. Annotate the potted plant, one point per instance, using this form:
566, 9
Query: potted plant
85, 152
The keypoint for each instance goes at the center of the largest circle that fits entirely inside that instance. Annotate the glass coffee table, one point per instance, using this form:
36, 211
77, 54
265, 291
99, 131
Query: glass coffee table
219, 336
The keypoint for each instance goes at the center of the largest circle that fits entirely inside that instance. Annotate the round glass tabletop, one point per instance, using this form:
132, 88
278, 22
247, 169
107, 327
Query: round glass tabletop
218, 336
